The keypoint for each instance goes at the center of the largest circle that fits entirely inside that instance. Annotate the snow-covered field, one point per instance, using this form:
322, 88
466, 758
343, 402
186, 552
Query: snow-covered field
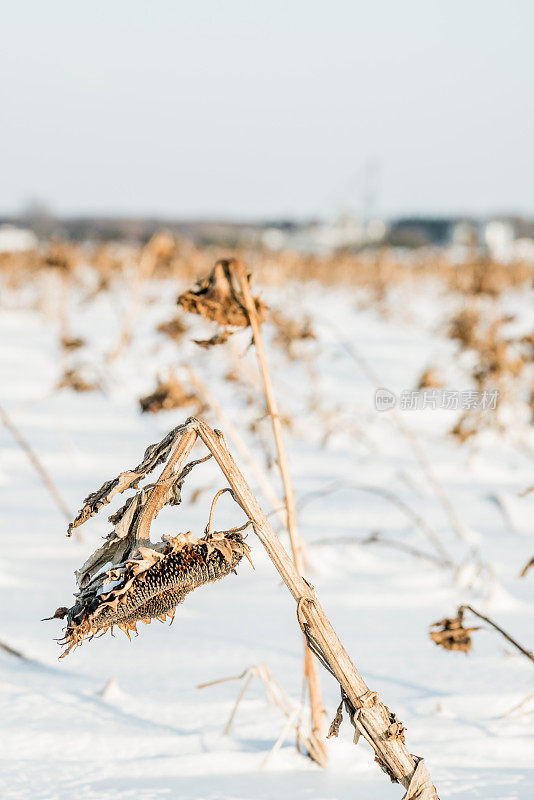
152, 733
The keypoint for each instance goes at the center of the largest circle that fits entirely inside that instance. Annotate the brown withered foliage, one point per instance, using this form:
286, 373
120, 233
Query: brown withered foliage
232, 376
335, 725
218, 338
289, 331
170, 255
149, 584
74, 379
163, 246
62, 256
500, 365
129, 579
470, 424
256, 425
107, 259
218, 298
482, 276
430, 379
376, 271
528, 344
167, 395
155, 455
173, 328
69, 343
496, 353
463, 327
451, 634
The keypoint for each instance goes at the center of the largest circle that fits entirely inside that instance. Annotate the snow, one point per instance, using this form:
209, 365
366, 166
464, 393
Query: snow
151, 733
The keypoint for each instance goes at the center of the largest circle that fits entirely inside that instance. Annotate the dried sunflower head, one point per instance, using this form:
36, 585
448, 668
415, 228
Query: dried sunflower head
219, 298
451, 634
167, 395
74, 379
150, 584
62, 256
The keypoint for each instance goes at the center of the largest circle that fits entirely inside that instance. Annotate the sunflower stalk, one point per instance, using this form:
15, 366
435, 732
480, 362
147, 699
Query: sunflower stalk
310, 665
369, 716
149, 582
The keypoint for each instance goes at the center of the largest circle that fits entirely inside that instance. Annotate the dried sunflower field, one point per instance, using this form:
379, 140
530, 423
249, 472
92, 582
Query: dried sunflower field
385, 403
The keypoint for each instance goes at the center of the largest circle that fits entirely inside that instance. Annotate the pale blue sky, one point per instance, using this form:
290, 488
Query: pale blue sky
247, 108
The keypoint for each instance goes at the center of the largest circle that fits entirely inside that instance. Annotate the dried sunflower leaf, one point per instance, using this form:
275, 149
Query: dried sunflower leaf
173, 328
154, 455
218, 338
336, 722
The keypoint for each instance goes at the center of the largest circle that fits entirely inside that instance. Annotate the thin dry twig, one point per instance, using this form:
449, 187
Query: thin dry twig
517, 707
36, 463
418, 520
526, 568
277, 696
144, 267
241, 446
378, 538
527, 653
12, 651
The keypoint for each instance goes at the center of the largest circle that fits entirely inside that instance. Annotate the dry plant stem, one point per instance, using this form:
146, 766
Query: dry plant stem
145, 267
463, 609
240, 444
290, 722
310, 665
65, 283
43, 474
156, 499
223, 680
275, 696
272, 407
425, 528
517, 707
372, 718
12, 651
377, 538
237, 702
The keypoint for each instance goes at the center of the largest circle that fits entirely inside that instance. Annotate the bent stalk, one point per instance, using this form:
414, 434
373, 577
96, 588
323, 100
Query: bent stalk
370, 717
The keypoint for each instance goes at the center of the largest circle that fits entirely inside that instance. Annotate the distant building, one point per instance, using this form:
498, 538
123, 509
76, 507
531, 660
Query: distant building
323, 238
499, 238
435, 231
509, 238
